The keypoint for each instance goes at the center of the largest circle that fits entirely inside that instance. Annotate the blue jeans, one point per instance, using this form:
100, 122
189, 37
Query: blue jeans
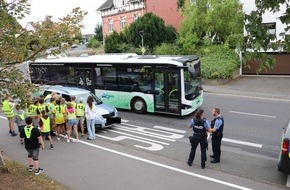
91, 128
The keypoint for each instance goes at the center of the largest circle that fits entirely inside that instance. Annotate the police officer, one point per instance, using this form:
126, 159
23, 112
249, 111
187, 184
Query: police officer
217, 127
200, 128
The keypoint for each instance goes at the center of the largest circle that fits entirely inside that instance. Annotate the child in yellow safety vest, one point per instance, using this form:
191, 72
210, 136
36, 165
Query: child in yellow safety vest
19, 119
72, 122
44, 123
80, 112
59, 118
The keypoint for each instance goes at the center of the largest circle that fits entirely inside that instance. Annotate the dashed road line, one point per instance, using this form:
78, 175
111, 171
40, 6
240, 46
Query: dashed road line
242, 143
252, 114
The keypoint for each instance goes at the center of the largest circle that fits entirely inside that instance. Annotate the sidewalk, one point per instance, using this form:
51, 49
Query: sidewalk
276, 87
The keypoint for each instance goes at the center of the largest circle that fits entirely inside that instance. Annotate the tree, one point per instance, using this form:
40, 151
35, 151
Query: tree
259, 40
19, 45
210, 21
111, 43
153, 30
99, 32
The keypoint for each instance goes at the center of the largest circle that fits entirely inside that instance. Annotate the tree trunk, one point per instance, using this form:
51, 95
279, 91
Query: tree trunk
3, 167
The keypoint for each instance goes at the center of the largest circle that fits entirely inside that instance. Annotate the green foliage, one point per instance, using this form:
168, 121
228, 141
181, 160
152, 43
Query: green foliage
218, 62
235, 41
180, 4
257, 37
207, 22
78, 38
93, 43
154, 32
19, 45
266, 61
167, 49
111, 43
99, 32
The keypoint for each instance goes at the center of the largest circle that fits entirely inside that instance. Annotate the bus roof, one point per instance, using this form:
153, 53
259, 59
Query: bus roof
123, 58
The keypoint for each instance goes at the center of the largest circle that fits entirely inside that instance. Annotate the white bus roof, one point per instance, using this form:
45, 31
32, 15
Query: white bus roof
122, 58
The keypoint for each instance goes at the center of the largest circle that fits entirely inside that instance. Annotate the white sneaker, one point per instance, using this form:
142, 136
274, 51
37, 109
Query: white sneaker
65, 136
39, 171
67, 140
58, 138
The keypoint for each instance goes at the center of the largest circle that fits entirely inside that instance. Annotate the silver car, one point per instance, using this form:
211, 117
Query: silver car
106, 114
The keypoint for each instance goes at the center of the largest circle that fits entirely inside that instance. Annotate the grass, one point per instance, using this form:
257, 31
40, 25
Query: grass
19, 178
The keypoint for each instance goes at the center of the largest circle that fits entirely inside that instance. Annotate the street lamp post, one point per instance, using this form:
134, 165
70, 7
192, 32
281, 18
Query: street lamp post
142, 42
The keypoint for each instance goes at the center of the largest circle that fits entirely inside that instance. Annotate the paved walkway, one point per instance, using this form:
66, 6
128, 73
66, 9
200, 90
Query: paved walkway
259, 86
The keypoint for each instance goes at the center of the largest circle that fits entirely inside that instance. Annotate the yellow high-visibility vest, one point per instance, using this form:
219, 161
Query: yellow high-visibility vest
46, 125
27, 130
7, 109
80, 110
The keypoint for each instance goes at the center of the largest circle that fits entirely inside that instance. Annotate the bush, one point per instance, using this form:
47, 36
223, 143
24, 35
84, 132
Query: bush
93, 43
218, 62
167, 49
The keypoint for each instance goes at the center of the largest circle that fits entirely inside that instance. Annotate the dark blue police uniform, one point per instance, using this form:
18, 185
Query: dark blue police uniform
199, 137
217, 136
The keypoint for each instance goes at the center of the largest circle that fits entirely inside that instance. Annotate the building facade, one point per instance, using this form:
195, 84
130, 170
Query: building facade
116, 14
275, 27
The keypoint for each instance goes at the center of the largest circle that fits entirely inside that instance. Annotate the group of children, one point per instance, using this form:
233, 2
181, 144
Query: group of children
41, 120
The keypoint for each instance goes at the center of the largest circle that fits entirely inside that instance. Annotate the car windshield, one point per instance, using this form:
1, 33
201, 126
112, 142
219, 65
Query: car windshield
85, 97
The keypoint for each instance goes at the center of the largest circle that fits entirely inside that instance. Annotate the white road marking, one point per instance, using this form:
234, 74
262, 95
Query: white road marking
167, 167
169, 129
3, 117
243, 143
119, 127
288, 181
124, 121
164, 134
114, 131
153, 147
253, 114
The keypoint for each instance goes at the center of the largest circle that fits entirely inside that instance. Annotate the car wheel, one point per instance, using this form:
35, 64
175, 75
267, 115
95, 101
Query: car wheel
138, 105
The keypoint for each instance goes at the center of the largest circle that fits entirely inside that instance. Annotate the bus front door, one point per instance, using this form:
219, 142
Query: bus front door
84, 78
167, 92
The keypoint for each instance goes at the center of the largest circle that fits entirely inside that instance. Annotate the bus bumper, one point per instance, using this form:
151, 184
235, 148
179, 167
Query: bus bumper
194, 105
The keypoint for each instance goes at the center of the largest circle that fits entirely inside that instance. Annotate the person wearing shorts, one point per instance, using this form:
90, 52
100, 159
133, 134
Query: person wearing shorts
71, 122
44, 123
59, 118
32, 140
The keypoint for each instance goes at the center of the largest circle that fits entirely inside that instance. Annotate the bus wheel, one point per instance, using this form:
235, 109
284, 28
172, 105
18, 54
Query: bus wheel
138, 105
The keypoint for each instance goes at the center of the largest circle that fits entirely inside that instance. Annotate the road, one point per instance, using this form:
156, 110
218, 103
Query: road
150, 151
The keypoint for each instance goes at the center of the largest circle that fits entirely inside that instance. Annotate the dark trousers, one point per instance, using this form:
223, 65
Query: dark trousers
203, 146
216, 146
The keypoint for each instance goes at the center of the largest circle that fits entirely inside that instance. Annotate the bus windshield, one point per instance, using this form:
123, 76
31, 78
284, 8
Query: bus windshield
192, 85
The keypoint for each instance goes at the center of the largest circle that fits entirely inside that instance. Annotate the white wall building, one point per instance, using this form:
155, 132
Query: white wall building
276, 28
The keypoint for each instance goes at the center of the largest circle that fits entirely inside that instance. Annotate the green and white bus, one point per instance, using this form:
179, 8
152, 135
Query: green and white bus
155, 84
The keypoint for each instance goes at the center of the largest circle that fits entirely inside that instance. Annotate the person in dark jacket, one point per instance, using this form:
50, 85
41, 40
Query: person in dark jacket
217, 127
200, 128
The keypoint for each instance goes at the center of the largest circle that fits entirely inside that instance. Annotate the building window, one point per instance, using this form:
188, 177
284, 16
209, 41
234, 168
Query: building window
271, 28
123, 23
110, 24
135, 17
123, 2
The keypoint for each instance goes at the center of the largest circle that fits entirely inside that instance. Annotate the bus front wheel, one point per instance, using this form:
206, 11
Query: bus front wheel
138, 105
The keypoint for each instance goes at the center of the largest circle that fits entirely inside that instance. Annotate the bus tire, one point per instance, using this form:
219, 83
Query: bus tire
138, 105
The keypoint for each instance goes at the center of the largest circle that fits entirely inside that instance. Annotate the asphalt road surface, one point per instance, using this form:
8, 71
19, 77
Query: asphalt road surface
150, 151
